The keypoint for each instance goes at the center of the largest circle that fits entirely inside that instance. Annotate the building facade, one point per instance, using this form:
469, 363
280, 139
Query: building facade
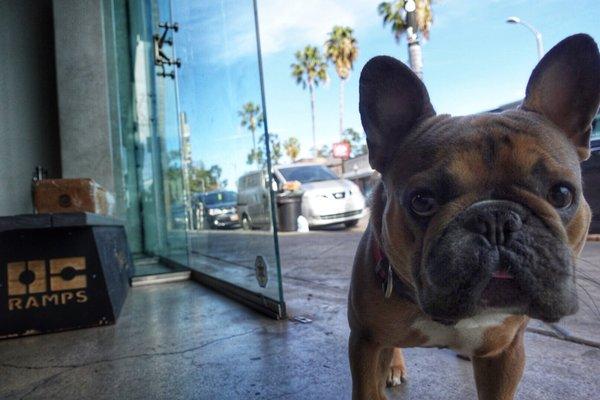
123, 92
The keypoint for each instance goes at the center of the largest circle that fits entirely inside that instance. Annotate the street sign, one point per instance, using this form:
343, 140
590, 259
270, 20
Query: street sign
341, 150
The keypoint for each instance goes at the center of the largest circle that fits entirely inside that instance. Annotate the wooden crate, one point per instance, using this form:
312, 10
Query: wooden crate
72, 195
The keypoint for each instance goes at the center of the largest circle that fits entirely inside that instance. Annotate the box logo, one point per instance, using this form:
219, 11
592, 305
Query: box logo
37, 284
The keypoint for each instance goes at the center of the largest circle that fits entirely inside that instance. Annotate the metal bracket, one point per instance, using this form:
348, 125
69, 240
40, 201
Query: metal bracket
161, 59
260, 269
165, 74
40, 173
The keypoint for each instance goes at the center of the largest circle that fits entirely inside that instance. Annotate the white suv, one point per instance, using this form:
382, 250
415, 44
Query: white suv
327, 199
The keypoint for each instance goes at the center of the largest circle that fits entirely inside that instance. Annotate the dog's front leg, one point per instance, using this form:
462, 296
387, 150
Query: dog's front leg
497, 377
367, 376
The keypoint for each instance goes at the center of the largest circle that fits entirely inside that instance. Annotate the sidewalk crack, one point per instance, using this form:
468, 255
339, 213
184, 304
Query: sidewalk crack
132, 356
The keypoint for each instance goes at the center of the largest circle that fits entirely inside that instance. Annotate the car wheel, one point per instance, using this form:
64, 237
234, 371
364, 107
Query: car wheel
350, 224
246, 223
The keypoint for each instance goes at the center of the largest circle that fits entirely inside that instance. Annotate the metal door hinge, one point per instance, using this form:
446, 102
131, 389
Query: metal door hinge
161, 59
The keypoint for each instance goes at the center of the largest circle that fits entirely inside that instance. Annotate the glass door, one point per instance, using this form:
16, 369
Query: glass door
232, 239
161, 186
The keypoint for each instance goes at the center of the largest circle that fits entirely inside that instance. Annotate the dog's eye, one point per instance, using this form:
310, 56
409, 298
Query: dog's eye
560, 196
423, 204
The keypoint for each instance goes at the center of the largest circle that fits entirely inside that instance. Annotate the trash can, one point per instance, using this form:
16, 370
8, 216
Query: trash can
289, 208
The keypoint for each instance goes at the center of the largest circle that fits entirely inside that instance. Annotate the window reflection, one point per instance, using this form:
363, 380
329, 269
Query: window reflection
220, 93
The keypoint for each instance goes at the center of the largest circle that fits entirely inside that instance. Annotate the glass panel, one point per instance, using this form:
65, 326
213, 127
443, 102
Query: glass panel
220, 93
170, 139
118, 62
162, 198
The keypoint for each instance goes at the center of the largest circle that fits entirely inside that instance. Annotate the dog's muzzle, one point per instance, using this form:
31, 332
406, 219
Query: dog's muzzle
497, 253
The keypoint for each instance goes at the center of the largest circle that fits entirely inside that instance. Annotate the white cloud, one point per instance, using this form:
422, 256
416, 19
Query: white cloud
226, 32
285, 23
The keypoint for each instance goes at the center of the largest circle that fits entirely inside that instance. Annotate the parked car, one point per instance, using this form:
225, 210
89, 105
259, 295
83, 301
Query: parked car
327, 199
216, 209
253, 205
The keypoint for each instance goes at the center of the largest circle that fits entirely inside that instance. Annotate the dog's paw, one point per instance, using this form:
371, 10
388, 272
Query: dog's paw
396, 375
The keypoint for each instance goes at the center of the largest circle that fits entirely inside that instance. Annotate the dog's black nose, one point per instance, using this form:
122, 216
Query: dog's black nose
494, 220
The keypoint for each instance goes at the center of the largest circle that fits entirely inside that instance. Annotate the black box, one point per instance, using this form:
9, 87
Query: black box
61, 271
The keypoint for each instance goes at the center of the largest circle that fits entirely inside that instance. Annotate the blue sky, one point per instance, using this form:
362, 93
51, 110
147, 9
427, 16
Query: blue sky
474, 61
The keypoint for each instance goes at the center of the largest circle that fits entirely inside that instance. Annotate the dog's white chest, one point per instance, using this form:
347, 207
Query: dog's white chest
465, 336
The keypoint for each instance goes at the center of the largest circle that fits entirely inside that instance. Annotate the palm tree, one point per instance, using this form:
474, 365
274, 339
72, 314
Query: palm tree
309, 70
341, 49
252, 118
292, 148
275, 148
255, 156
410, 17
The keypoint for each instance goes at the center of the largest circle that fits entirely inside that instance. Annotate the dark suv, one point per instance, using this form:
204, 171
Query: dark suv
216, 209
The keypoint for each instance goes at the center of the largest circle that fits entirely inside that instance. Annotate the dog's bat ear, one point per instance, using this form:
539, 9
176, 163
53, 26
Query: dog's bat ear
392, 100
565, 88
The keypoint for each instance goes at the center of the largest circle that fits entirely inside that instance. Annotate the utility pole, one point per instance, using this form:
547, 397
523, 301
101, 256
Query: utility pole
415, 54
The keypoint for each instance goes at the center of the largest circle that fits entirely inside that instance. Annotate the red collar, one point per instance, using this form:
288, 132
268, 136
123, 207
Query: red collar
390, 282
382, 264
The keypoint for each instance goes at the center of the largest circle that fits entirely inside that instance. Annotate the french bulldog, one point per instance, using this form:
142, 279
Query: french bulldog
475, 224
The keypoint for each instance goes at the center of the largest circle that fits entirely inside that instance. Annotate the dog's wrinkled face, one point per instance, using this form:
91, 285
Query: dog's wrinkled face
489, 200
486, 210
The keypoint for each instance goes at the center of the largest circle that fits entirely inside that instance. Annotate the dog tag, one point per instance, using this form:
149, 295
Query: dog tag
389, 283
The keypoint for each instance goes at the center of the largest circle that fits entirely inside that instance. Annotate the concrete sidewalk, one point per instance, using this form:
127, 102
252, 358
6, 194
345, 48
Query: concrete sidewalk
183, 341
